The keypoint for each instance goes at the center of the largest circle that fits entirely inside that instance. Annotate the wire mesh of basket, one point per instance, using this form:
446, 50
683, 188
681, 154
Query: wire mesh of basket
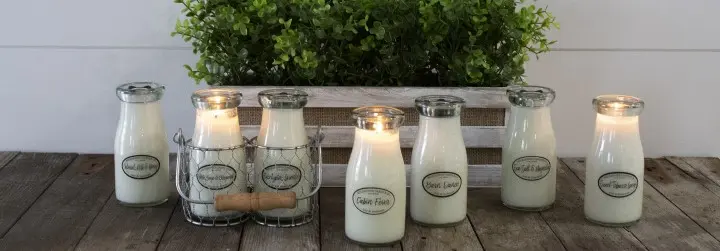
254, 173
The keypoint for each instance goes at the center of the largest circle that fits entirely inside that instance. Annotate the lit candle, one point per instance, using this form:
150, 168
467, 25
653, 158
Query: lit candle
375, 181
615, 164
214, 172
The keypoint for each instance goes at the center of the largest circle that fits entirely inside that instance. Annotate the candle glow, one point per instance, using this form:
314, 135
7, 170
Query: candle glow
379, 124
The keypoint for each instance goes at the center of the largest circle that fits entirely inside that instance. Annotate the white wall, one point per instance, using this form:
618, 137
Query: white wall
61, 60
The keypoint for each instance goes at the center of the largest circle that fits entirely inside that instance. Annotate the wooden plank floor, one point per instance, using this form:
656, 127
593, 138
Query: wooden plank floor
65, 201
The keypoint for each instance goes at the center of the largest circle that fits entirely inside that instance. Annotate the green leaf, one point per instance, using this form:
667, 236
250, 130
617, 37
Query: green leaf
378, 42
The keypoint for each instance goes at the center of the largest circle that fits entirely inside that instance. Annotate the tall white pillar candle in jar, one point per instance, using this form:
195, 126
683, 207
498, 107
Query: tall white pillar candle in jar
217, 162
615, 163
282, 156
438, 187
375, 181
529, 161
142, 175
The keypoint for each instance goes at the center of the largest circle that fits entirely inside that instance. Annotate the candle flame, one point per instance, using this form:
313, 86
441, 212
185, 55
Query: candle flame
217, 99
617, 105
379, 126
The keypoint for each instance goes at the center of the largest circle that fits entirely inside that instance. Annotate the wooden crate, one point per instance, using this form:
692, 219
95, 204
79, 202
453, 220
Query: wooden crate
483, 121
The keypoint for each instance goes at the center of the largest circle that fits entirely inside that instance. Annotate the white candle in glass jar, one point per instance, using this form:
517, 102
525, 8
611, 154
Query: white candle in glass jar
615, 163
282, 170
216, 172
438, 185
142, 175
375, 182
529, 161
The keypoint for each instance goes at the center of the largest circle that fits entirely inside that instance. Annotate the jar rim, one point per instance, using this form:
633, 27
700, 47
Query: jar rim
140, 92
439, 105
283, 98
618, 105
378, 117
530, 96
216, 98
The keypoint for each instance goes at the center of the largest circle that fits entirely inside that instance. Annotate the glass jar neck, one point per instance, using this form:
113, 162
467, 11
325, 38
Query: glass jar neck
144, 118
282, 127
525, 118
446, 124
135, 111
217, 128
372, 140
617, 123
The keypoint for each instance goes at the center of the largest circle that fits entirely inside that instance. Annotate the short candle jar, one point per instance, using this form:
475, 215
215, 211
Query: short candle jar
142, 173
615, 163
375, 181
218, 164
529, 163
438, 185
279, 167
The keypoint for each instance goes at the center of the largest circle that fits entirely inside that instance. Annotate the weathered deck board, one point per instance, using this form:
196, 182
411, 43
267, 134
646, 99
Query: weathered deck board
686, 192
305, 237
130, 228
460, 237
500, 228
24, 179
663, 226
709, 166
332, 223
567, 219
697, 167
181, 235
44, 205
6, 157
60, 217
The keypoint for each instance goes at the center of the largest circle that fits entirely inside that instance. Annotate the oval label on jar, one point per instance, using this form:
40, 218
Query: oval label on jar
140, 166
531, 168
442, 184
373, 200
216, 176
618, 184
281, 176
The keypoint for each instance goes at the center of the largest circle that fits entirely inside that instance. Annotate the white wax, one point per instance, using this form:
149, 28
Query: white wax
376, 164
438, 187
216, 129
141, 155
616, 155
285, 170
530, 149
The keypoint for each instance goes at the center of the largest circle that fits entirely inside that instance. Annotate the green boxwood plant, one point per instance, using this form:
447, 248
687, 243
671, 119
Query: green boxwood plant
363, 42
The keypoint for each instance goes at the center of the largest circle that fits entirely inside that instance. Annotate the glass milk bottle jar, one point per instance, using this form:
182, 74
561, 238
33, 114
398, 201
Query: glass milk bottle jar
438, 187
529, 162
375, 181
217, 163
282, 161
142, 176
615, 163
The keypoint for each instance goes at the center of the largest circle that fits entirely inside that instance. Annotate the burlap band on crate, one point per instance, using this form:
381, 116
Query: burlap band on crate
476, 156
342, 116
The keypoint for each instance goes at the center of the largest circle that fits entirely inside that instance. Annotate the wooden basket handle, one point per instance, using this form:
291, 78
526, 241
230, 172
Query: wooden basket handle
248, 202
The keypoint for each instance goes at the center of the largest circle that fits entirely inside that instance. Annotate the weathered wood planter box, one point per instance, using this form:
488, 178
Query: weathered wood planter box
483, 124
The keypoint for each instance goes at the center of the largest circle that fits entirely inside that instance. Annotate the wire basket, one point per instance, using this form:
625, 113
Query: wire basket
275, 186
